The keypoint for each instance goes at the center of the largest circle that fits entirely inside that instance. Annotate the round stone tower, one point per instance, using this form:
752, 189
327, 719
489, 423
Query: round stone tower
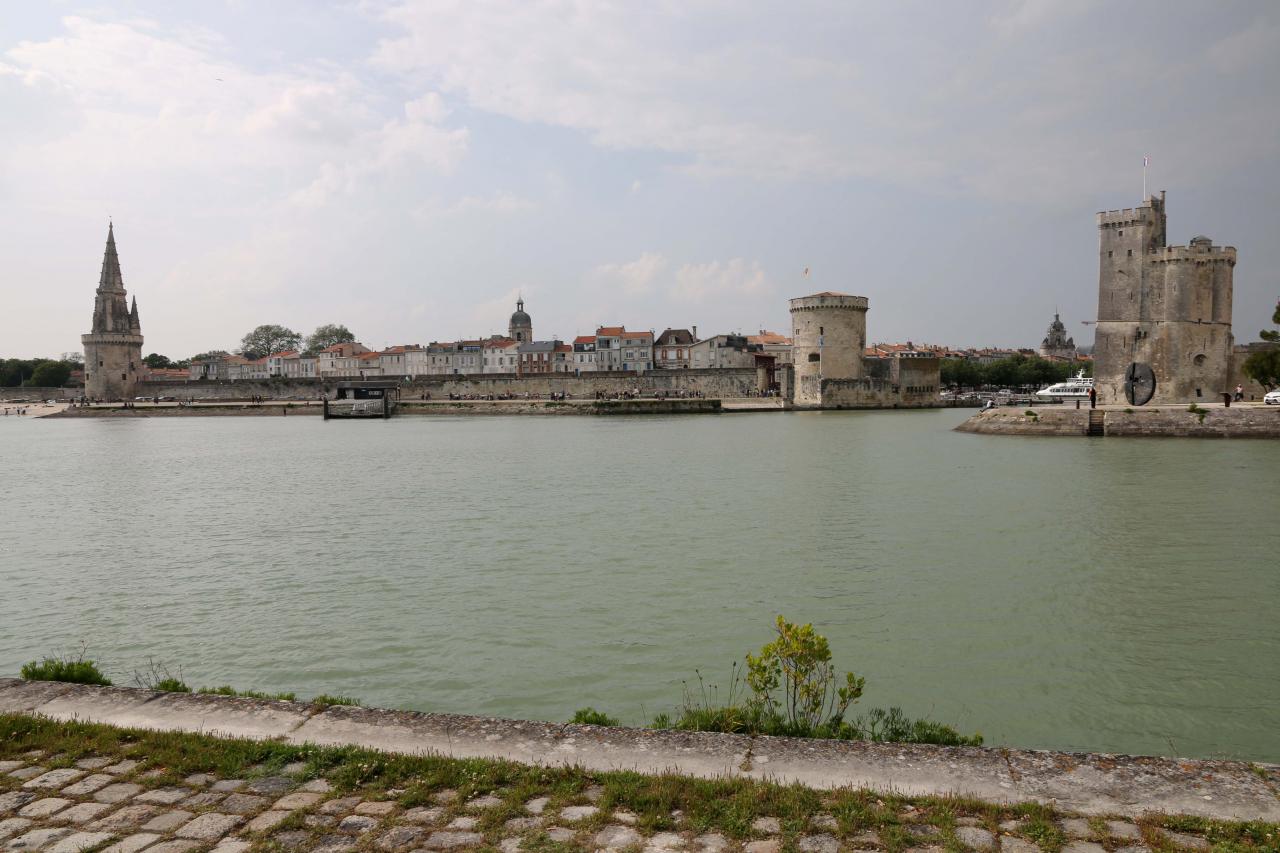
829, 338
113, 350
520, 329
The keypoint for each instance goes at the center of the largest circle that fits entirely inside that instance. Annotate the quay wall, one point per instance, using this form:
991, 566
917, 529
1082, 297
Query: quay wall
30, 395
727, 382
1092, 783
1238, 421
211, 410
864, 393
675, 406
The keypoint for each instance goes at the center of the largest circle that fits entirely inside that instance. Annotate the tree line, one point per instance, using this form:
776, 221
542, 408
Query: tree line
37, 372
1019, 371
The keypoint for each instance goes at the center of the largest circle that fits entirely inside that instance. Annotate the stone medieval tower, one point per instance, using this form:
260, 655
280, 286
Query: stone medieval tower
1162, 309
829, 338
113, 350
520, 329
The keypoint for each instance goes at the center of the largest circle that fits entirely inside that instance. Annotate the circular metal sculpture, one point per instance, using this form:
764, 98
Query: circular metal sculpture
1139, 383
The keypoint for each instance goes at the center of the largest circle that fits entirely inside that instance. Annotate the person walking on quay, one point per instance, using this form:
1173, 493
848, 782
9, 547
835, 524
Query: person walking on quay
1239, 393
1093, 398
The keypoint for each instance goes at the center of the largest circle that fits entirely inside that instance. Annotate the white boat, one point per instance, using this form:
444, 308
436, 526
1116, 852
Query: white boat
1075, 388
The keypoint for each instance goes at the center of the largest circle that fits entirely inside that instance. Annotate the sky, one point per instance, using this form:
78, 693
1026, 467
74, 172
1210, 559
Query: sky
409, 167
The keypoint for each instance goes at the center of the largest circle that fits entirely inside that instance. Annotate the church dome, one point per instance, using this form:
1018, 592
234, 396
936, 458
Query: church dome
520, 318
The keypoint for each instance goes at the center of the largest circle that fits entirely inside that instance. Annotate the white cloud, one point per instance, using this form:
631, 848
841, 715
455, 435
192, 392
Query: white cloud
719, 280
633, 277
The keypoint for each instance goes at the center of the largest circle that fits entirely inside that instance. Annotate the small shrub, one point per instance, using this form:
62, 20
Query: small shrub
226, 690
1128, 411
75, 671
799, 663
324, 700
171, 685
591, 717
156, 676
811, 701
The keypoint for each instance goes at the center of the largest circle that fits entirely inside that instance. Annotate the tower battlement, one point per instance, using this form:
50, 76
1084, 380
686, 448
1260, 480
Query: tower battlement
1203, 254
1147, 213
829, 300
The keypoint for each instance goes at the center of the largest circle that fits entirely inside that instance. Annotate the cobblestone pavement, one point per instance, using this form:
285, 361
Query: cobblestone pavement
106, 805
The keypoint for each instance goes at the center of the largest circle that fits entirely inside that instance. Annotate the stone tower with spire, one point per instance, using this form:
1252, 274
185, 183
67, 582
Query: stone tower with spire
113, 350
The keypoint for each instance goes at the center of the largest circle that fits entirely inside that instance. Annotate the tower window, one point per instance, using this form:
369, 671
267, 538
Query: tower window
813, 356
1110, 253
1121, 233
1130, 253
821, 331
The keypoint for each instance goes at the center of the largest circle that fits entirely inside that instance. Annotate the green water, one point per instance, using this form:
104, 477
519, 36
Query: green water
1102, 594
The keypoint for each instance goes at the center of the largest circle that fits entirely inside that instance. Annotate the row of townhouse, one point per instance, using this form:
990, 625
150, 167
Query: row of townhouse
611, 348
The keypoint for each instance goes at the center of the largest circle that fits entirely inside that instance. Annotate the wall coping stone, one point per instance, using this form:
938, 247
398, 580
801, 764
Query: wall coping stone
1092, 783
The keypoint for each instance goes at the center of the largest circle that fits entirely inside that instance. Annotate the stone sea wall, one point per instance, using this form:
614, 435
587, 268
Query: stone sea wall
1090, 783
1217, 422
729, 382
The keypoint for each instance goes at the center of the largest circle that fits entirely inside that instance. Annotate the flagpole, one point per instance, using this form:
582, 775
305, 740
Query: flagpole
1144, 177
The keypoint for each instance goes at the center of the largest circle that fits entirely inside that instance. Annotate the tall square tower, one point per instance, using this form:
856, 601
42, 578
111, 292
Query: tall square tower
1164, 312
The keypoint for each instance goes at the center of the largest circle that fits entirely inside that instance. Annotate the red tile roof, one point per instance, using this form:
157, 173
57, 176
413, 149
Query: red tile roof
585, 339
610, 331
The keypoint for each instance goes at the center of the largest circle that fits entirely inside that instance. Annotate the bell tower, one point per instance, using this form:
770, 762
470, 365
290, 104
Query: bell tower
113, 349
520, 329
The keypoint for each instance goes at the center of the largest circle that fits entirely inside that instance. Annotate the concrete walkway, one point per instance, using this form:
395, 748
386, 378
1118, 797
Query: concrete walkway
1087, 783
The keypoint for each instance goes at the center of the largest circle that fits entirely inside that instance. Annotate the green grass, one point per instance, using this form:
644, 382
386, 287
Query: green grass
720, 805
591, 717
75, 671
227, 690
325, 700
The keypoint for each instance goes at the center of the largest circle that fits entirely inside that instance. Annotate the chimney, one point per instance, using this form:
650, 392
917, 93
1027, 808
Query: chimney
695, 334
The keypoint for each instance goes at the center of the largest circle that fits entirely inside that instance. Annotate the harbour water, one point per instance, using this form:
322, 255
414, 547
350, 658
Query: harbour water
1094, 594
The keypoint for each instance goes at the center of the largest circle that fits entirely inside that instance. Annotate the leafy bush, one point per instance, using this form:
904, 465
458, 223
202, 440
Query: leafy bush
791, 689
75, 671
591, 717
324, 700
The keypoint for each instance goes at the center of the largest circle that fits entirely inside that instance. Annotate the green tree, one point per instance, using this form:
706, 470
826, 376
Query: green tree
156, 361
268, 339
50, 374
213, 353
13, 371
328, 335
1272, 335
1263, 366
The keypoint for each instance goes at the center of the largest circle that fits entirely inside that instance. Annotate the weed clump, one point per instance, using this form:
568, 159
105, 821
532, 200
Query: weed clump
156, 676
791, 689
227, 690
75, 670
325, 700
591, 717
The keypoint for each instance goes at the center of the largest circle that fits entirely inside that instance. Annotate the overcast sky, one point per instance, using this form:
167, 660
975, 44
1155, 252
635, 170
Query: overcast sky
407, 168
